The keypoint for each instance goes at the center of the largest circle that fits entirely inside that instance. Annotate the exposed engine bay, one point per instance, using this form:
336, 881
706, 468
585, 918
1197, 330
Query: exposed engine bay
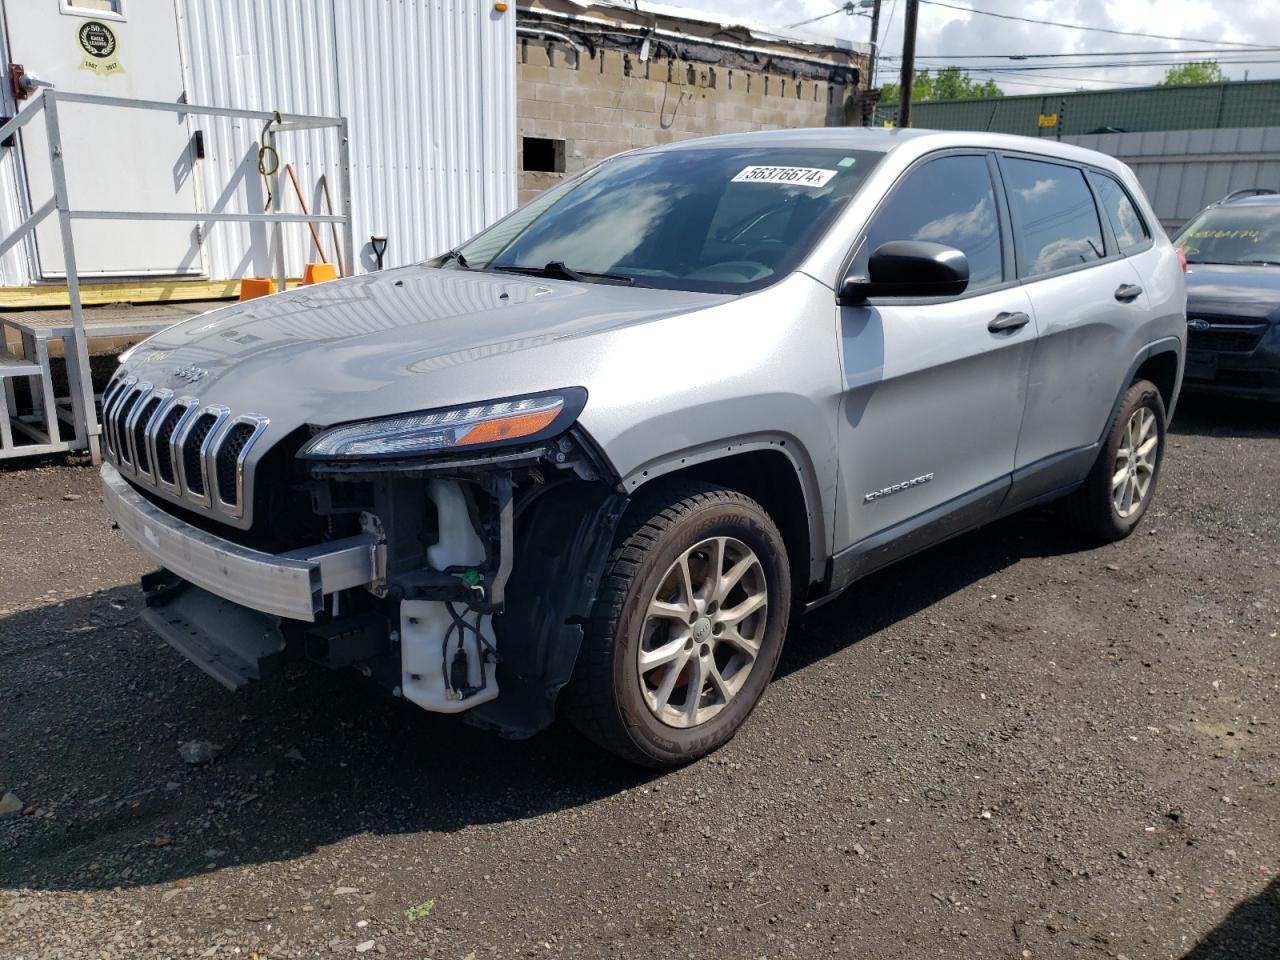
485, 570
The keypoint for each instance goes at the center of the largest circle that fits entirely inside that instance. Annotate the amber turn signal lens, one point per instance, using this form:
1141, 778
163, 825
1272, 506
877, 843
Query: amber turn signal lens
509, 428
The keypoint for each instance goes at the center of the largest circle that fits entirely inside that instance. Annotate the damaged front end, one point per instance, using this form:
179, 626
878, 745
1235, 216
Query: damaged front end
453, 557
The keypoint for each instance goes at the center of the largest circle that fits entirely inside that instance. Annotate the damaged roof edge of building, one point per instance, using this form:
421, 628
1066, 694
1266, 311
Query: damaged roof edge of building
661, 30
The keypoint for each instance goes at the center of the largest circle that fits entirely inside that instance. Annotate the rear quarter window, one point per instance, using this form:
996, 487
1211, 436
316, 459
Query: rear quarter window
1055, 221
1126, 222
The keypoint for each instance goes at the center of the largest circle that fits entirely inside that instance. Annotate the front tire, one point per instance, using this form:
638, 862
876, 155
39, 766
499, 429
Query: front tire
688, 627
1115, 496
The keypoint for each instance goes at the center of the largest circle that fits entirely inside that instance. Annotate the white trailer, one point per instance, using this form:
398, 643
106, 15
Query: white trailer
427, 88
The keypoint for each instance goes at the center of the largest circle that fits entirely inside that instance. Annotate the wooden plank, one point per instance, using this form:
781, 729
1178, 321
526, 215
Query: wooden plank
131, 291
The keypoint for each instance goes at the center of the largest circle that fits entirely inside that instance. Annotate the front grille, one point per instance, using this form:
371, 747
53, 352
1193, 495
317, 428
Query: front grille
139, 433
228, 461
188, 452
192, 461
125, 407
1226, 339
164, 436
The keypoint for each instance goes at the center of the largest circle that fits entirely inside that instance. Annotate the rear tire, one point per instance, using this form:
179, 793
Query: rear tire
1115, 496
687, 630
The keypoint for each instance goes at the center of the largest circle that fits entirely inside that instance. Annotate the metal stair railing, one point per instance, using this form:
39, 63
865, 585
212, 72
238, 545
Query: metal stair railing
84, 411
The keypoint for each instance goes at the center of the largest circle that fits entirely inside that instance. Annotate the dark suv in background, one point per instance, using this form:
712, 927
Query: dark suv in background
1233, 296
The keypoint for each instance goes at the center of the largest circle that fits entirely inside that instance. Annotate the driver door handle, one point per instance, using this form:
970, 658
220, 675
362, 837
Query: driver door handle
1128, 292
1005, 322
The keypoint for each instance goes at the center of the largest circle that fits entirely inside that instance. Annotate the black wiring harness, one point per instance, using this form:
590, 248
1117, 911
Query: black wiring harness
456, 673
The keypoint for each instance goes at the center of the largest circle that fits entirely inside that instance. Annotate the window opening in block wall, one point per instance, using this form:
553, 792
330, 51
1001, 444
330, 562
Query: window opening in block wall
543, 155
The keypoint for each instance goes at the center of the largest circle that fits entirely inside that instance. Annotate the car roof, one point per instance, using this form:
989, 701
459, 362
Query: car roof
887, 139
1257, 200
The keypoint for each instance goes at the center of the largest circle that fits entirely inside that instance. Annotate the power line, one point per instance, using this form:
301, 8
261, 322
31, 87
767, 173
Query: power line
1048, 76
848, 8
1116, 65
1097, 53
893, 8
1077, 26
1008, 74
801, 23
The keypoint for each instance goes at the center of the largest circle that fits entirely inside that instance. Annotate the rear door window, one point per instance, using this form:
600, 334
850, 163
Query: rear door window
950, 201
1126, 223
1055, 221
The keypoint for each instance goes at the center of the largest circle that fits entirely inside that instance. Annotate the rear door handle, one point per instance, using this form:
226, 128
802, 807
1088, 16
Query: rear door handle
1004, 322
1128, 292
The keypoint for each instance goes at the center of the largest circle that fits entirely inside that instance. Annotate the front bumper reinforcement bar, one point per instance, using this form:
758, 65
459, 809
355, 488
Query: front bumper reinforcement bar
291, 585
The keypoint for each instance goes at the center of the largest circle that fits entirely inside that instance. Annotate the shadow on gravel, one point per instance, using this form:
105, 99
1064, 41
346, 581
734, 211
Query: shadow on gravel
907, 587
93, 707
1205, 416
1250, 932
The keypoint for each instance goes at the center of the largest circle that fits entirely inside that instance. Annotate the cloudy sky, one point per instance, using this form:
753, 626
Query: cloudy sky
950, 32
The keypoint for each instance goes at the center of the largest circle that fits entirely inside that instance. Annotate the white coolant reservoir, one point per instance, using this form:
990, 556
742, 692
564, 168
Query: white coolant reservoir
425, 663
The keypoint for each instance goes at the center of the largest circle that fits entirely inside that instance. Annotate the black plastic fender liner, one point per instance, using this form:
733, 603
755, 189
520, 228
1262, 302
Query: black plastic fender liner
561, 548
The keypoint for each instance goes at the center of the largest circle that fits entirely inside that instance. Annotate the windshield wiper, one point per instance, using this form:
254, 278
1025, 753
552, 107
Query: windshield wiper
457, 256
557, 269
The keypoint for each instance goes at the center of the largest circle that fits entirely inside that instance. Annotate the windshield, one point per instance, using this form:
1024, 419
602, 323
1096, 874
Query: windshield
719, 220
1243, 234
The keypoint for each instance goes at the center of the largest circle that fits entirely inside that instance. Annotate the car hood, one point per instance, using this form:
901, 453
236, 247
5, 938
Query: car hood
1248, 292
393, 341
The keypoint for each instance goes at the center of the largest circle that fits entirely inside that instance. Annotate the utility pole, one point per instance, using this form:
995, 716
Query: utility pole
908, 62
875, 37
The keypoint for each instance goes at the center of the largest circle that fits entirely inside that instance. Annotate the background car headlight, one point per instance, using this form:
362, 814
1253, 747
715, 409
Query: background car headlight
494, 422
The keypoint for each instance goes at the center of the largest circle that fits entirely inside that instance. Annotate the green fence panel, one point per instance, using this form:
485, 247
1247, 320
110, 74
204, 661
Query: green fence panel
1254, 103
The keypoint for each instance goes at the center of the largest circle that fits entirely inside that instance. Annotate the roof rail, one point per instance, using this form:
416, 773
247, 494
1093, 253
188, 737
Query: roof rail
1247, 192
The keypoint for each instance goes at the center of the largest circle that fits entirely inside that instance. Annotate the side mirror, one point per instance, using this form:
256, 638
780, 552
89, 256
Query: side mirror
909, 268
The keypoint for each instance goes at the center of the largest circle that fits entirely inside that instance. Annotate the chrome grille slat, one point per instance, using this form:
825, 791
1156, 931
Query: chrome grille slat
148, 417
137, 407
163, 440
227, 458
193, 453
109, 416
109, 396
127, 403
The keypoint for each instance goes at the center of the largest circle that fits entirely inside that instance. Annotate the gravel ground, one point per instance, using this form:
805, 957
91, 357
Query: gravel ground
1010, 746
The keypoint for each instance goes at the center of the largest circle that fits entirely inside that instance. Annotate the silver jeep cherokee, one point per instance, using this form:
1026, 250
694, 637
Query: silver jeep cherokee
594, 459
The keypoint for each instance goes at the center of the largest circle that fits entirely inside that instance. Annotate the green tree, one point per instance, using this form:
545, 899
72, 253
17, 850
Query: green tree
1197, 71
950, 83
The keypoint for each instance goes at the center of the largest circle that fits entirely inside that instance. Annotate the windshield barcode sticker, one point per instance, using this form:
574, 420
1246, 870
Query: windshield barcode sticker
794, 176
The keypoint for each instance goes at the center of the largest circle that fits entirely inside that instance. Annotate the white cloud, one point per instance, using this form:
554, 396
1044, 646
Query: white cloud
945, 31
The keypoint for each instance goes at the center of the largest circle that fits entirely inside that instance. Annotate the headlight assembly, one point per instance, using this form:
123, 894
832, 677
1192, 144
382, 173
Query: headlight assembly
492, 423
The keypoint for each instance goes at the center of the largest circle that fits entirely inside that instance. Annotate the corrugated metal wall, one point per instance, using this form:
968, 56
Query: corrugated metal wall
427, 85
429, 89
1184, 170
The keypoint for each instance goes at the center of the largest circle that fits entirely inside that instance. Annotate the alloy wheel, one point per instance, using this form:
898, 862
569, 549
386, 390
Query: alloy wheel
1135, 463
702, 631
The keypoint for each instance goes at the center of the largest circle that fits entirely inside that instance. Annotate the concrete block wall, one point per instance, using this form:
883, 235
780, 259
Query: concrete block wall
612, 102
